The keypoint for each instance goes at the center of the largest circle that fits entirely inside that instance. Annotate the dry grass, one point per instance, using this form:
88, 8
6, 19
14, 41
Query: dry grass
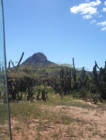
65, 119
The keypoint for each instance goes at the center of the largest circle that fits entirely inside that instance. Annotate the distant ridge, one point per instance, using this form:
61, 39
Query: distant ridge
37, 58
40, 58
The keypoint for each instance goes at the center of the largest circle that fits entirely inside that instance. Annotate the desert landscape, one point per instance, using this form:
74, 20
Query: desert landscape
53, 102
58, 119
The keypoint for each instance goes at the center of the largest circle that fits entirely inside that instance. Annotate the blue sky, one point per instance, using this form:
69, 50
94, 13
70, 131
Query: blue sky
61, 29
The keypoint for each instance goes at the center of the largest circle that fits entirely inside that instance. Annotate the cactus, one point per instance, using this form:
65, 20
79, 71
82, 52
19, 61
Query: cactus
74, 72
12, 63
43, 95
9, 64
95, 75
20, 59
38, 94
100, 80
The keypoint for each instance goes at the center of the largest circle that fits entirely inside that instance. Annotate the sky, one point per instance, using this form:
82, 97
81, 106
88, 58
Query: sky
61, 29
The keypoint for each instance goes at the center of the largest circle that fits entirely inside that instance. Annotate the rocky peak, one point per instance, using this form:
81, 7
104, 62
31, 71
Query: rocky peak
36, 58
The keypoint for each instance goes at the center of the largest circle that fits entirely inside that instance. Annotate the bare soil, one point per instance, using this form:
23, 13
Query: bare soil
87, 124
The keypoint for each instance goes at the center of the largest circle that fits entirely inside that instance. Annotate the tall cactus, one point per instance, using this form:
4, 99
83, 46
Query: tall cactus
20, 59
65, 79
12, 63
9, 64
100, 80
74, 72
69, 79
82, 75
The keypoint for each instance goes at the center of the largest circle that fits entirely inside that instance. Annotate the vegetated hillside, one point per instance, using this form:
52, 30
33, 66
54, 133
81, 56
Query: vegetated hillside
41, 61
40, 65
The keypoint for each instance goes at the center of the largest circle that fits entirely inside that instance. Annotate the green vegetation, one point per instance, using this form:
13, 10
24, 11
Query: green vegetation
47, 114
3, 113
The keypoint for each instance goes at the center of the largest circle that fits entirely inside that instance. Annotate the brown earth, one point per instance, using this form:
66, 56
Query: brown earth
87, 124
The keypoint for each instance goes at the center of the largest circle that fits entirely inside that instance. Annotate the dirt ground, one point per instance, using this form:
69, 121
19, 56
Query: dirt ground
88, 124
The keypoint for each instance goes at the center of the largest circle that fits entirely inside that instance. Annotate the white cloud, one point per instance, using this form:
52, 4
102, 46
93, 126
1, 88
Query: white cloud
103, 29
102, 23
104, 10
89, 10
93, 21
86, 8
87, 16
98, 2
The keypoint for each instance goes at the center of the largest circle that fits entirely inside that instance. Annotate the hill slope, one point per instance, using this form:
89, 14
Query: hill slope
39, 63
37, 58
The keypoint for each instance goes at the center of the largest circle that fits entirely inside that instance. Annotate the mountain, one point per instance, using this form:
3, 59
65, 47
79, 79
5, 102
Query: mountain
37, 58
39, 63
40, 59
